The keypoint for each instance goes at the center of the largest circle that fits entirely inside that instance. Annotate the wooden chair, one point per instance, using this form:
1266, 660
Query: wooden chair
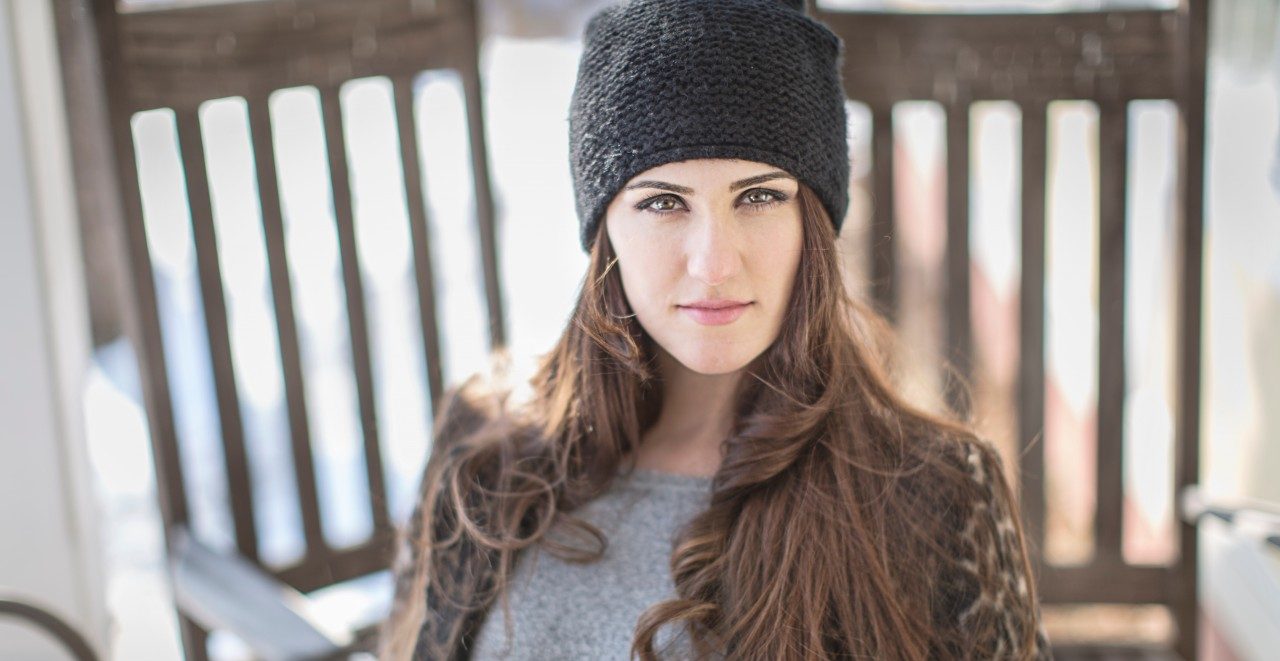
1110, 58
177, 57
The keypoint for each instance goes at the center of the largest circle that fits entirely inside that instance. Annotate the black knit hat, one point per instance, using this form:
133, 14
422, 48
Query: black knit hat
670, 80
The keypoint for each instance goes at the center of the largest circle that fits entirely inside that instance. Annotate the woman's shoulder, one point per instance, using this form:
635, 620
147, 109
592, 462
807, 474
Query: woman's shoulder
965, 453
957, 470
947, 471
962, 481
988, 591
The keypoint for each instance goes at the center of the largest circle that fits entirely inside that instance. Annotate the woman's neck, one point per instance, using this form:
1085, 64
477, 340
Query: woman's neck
696, 415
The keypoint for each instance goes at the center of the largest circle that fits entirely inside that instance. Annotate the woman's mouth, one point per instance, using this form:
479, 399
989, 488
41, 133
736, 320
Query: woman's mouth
715, 313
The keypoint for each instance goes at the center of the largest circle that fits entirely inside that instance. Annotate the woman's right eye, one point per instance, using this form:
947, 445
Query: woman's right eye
662, 204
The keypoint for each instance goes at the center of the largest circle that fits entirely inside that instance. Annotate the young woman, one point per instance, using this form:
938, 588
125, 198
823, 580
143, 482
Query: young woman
713, 462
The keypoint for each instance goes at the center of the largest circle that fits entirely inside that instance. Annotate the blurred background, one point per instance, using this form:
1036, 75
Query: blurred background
246, 245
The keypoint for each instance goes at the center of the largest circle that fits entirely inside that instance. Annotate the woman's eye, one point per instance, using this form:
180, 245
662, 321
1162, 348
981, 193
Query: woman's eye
762, 197
660, 204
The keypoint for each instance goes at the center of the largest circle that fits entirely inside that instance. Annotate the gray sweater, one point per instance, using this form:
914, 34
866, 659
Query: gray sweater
561, 610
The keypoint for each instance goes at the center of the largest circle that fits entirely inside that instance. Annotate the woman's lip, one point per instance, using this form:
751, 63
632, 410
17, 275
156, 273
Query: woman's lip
718, 316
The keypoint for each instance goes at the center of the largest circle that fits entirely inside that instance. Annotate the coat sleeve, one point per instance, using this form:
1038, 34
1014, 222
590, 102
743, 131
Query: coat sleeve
997, 608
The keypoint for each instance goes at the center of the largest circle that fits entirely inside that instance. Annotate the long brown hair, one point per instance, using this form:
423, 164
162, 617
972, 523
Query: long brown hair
831, 517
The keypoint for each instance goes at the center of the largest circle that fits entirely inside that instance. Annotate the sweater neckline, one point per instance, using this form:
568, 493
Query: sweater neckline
655, 478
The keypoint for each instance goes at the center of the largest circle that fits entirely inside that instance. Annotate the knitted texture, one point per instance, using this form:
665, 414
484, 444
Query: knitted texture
670, 80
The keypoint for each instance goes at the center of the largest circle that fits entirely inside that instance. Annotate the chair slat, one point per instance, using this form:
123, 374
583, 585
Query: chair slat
483, 194
1112, 174
141, 322
357, 318
884, 283
195, 640
1097, 583
1031, 359
286, 323
1194, 20
959, 328
424, 270
239, 484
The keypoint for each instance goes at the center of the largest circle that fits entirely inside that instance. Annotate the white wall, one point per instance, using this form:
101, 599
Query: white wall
49, 548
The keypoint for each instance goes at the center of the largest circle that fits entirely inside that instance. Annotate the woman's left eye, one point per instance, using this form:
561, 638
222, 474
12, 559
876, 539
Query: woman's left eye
763, 197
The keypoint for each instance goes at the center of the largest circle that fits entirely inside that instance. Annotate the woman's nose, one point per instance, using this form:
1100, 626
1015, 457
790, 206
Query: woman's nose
713, 250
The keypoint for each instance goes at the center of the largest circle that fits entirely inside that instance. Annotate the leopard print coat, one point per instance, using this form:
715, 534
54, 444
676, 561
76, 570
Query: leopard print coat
998, 592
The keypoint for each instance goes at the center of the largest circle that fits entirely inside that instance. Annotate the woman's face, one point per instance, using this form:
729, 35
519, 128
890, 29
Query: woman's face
708, 251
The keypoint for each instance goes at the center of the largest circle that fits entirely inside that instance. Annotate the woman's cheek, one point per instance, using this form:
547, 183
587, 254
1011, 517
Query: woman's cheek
780, 256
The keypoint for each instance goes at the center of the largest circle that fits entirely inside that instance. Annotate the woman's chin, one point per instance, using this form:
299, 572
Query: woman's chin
712, 363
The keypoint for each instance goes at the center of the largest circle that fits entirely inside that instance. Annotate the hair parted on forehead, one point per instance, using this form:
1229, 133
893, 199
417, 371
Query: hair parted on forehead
832, 519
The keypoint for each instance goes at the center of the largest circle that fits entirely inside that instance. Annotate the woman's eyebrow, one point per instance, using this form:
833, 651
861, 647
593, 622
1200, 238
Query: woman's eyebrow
776, 174
676, 188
